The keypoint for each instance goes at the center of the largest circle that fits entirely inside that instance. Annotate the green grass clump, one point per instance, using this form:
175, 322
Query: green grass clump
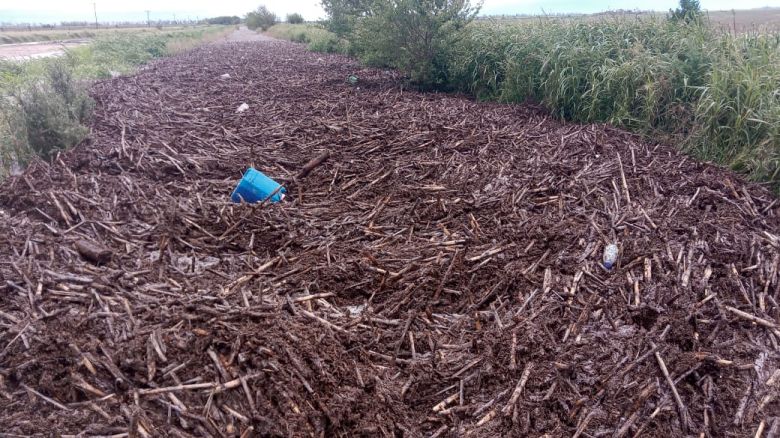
41, 116
317, 37
738, 110
714, 94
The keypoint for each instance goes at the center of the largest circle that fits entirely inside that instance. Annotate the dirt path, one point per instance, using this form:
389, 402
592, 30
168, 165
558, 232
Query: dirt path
22, 51
17, 52
438, 275
246, 35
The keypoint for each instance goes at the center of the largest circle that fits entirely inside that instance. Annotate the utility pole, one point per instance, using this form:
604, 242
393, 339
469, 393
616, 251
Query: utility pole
174, 18
148, 23
94, 8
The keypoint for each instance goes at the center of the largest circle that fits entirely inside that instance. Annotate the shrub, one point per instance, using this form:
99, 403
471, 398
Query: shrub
295, 18
52, 112
343, 14
329, 44
413, 36
225, 19
261, 18
300, 37
319, 39
689, 11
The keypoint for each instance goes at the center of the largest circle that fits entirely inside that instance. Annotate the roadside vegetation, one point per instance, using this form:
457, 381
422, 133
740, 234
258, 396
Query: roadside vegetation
44, 105
711, 93
261, 18
295, 18
24, 36
316, 36
677, 79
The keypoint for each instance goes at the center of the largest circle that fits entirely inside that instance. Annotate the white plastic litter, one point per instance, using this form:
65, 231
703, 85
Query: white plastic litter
225, 76
243, 107
610, 255
188, 263
356, 310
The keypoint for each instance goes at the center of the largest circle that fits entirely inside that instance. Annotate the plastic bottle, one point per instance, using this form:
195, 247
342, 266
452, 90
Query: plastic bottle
610, 255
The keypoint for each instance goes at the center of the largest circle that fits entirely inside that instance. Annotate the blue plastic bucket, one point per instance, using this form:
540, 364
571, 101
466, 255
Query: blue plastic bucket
256, 187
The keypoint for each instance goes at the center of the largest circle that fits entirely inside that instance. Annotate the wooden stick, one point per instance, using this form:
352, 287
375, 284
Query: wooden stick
217, 387
518, 389
313, 297
489, 416
323, 321
46, 399
442, 404
753, 318
681, 410
308, 167
623, 179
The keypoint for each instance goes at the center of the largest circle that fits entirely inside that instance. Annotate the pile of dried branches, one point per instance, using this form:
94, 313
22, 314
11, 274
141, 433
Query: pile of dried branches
438, 275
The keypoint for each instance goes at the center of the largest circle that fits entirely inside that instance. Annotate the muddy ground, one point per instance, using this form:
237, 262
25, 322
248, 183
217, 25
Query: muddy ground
438, 275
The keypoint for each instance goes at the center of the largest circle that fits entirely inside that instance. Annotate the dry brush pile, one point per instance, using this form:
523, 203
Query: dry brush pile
438, 275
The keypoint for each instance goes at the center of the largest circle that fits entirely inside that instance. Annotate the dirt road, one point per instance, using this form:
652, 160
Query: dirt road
439, 275
18, 52
246, 35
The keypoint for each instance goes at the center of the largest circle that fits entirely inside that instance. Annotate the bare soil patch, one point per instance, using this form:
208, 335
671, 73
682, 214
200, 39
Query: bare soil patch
37, 50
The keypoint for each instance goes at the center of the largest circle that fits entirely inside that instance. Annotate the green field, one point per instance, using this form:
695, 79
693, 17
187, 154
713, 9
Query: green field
36, 35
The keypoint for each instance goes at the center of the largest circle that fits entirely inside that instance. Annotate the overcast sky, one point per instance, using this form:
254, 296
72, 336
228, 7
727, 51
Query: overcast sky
51, 11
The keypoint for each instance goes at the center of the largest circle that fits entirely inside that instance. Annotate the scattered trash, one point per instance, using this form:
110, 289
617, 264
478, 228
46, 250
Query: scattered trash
256, 187
241, 108
320, 60
16, 169
610, 255
225, 76
352, 79
194, 264
356, 310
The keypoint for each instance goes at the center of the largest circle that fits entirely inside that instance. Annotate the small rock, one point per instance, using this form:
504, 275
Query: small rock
243, 107
225, 76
